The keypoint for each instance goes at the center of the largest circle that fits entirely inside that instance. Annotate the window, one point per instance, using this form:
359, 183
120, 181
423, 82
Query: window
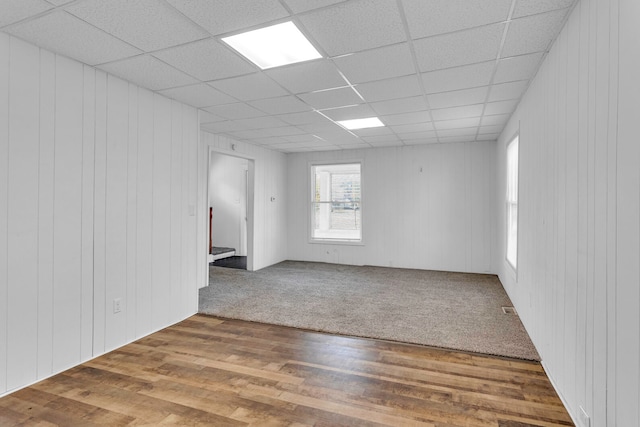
512, 202
336, 209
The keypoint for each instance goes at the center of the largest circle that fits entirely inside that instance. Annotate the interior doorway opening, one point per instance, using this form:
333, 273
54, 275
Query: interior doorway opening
230, 196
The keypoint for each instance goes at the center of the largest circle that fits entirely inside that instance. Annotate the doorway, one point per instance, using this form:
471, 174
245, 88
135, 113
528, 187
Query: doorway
230, 211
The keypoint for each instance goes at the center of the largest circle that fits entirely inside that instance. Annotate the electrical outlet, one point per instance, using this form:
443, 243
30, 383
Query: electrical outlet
117, 305
584, 419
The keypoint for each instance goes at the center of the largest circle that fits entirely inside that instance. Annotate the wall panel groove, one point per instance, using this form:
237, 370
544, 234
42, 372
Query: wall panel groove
77, 226
579, 165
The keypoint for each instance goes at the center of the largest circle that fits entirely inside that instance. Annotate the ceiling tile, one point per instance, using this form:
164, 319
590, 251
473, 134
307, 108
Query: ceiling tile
412, 136
332, 98
380, 138
380, 144
326, 126
488, 137
431, 17
457, 78
533, 33
472, 131
517, 67
206, 117
273, 141
63, 33
59, 2
406, 118
356, 25
501, 107
222, 16
280, 105
249, 87
456, 139
339, 137
261, 122
303, 138
347, 113
302, 118
235, 111
458, 98
528, 7
198, 95
245, 134
491, 129
457, 112
308, 76
460, 48
206, 60
512, 90
146, 24
402, 105
413, 128
148, 72
17, 10
220, 127
497, 120
379, 131
377, 64
282, 131
298, 6
458, 123
399, 87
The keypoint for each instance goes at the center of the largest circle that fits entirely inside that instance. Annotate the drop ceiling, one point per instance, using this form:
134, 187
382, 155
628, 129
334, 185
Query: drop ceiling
433, 71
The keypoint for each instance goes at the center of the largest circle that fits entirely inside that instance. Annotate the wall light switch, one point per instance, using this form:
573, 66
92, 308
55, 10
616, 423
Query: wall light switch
117, 305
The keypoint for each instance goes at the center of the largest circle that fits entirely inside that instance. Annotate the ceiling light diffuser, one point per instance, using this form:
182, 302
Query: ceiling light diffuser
369, 122
273, 46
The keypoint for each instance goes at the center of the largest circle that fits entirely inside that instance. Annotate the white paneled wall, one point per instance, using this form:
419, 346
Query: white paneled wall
97, 177
577, 288
271, 218
427, 207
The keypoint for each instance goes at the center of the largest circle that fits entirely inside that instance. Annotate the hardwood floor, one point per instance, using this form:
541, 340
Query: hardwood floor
209, 371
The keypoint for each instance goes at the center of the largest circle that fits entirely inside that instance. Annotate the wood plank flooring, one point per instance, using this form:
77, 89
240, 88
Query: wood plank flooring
209, 371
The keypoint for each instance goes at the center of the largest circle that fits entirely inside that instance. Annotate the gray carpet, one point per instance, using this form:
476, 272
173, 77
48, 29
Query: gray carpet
441, 309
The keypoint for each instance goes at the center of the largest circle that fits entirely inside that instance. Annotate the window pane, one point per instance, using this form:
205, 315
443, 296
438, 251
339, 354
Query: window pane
512, 202
336, 209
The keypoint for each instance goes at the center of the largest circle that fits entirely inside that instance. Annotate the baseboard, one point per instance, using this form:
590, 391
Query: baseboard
573, 416
7, 393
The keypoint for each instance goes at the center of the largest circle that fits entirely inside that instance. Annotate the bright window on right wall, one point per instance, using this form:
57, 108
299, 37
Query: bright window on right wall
512, 202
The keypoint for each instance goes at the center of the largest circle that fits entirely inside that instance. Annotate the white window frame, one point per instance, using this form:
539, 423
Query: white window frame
511, 201
311, 204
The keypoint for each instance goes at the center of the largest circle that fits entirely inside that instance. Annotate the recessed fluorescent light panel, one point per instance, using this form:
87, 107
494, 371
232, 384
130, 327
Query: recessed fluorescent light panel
274, 46
370, 122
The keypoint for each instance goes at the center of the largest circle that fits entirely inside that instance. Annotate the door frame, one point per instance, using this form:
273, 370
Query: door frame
250, 197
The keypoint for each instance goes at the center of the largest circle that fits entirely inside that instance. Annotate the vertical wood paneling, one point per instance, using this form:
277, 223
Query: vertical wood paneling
67, 212
116, 211
579, 136
628, 220
22, 197
47, 85
161, 274
4, 200
175, 202
99, 218
77, 228
145, 212
411, 219
88, 158
608, 342
132, 214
